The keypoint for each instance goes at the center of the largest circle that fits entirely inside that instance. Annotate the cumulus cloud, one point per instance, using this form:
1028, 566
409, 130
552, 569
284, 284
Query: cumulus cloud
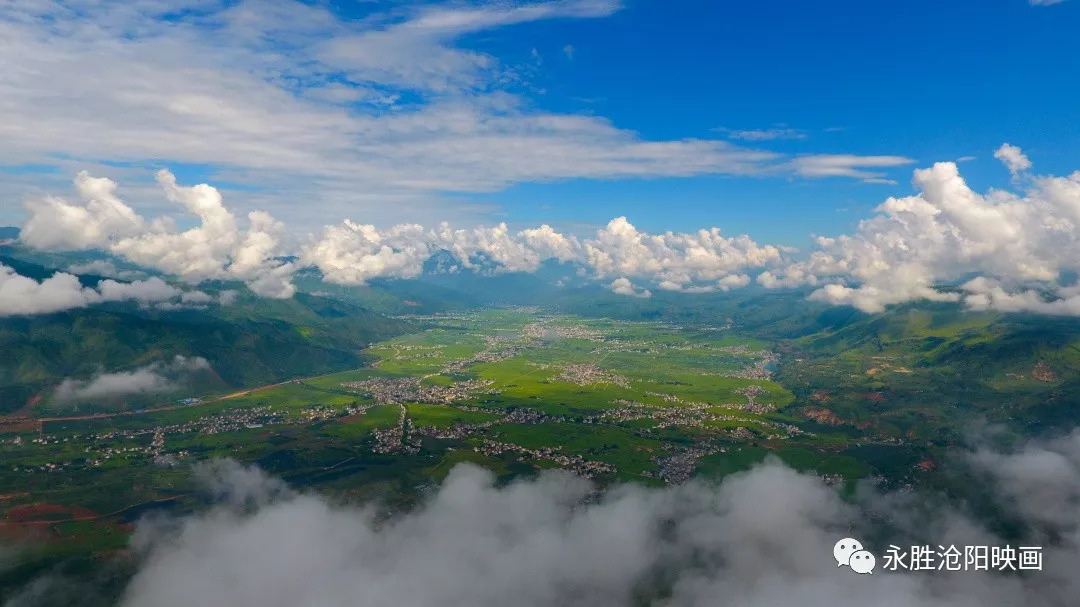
106, 268
675, 258
1013, 158
702, 260
763, 537
153, 378
216, 248
151, 290
914, 247
20, 295
623, 286
55, 224
1018, 246
23, 296
987, 294
353, 253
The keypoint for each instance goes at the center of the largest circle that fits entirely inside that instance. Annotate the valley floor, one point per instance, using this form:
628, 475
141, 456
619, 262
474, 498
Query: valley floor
513, 390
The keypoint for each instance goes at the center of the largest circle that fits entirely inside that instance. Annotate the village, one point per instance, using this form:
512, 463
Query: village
573, 463
742, 420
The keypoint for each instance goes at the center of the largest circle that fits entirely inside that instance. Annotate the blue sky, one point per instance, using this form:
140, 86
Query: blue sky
928, 80
279, 105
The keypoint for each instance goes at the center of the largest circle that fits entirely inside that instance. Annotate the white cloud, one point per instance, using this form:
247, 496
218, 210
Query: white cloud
1044, 2
153, 378
23, 296
702, 260
20, 295
196, 297
1013, 158
846, 165
769, 134
987, 294
762, 537
55, 224
151, 290
303, 105
733, 281
569, 51
415, 53
105, 268
676, 258
352, 253
623, 286
907, 250
216, 248
913, 245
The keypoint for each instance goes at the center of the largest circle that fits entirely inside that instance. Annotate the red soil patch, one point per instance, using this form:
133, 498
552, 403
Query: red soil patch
411, 303
18, 424
17, 533
1042, 372
106, 555
820, 396
47, 513
823, 416
874, 396
926, 465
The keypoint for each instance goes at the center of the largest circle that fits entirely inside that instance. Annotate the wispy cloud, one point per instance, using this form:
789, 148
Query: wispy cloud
290, 98
769, 134
846, 165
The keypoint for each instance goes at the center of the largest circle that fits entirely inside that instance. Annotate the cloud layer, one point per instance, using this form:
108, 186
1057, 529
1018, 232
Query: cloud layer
1000, 250
153, 378
763, 537
352, 253
23, 296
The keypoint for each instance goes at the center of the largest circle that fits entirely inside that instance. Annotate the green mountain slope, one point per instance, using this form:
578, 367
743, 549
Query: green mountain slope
251, 342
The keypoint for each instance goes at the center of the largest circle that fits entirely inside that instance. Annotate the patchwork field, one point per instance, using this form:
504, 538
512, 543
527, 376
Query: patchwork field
514, 390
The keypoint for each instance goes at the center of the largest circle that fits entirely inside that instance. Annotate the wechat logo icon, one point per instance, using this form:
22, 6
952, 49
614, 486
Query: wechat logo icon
849, 551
